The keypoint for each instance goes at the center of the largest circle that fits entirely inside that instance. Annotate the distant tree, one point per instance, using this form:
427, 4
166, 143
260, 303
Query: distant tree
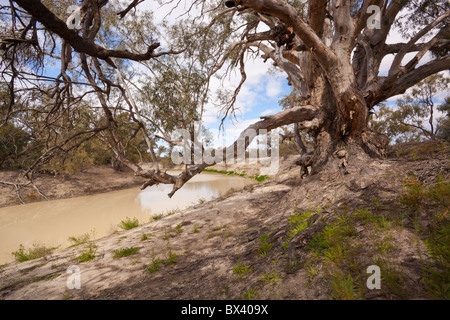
443, 129
414, 117
331, 52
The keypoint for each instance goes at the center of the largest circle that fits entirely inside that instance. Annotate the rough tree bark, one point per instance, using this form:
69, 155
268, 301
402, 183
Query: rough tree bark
330, 54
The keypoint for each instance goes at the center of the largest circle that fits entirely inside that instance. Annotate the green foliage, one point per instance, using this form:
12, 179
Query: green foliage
196, 228
38, 251
171, 257
179, 228
416, 195
418, 14
336, 248
443, 129
84, 238
156, 263
154, 266
250, 294
129, 223
343, 287
298, 222
219, 228
413, 119
259, 178
241, 269
125, 252
271, 277
437, 273
265, 246
13, 141
88, 253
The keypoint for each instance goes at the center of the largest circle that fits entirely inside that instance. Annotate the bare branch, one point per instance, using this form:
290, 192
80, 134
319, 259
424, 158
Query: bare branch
288, 116
42, 14
395, 67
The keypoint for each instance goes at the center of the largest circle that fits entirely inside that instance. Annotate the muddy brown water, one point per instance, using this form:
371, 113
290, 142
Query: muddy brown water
51, 223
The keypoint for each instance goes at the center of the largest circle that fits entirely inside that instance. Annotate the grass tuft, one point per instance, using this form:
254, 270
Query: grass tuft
129, 223
125, 252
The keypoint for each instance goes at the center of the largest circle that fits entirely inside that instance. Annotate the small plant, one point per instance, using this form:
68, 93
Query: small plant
384, 247
38, 251
196, 228
129, 223
171, 257
297, 223
171, 212
179, 228
157, 216
437, 273
241, 269
251, 294
154, 266
343, 288
84, 238
265, 246
224, 291
88, 253
219, 228
391, 277
201, 200
144, 237
134, 262
311, 271
119, 253
259, 178
271, 277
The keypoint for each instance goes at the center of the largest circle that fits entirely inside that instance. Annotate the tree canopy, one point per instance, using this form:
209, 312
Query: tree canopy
110, 72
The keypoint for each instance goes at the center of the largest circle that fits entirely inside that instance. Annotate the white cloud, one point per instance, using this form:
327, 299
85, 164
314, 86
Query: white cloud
273, 87
269, 112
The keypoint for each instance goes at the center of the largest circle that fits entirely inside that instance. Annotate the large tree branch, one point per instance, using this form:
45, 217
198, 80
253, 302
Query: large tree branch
396, 47
295, 75
388, 87
316, 15
285, 117
396, 64
42, 14
282, 10
132, 5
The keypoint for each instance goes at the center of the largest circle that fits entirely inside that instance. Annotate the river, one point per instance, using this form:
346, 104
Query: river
51, 223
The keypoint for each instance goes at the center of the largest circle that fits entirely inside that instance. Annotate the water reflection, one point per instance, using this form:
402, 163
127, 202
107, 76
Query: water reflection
207, 188
52, 222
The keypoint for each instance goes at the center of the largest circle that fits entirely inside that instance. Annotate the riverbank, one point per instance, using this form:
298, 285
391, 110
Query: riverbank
96, 180
284, 238
90, 181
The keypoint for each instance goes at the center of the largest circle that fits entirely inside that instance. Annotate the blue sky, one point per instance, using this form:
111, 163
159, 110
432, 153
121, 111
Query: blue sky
262, 90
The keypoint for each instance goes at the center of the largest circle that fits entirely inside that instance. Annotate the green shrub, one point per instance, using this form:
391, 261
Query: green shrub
38, 251
129, 223
88, 253
125, 252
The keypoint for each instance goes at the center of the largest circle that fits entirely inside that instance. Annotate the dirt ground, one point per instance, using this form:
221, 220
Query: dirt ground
239, 246
89, 181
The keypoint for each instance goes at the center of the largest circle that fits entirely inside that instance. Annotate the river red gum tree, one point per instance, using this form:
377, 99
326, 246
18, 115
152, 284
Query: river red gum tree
330, 50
